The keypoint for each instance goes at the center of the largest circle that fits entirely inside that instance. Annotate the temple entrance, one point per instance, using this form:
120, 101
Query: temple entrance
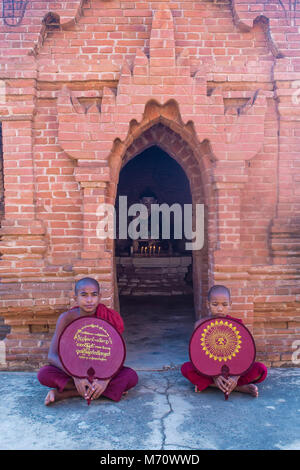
154, 272
157, 262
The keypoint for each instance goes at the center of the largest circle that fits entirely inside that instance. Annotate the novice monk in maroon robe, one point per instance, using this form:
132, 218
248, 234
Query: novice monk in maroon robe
219, 303
87, 296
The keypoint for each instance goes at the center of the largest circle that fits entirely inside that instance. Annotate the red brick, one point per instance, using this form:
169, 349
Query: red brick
43, 181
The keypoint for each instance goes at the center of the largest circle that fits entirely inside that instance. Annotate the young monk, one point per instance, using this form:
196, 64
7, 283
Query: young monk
87, 296
219, 305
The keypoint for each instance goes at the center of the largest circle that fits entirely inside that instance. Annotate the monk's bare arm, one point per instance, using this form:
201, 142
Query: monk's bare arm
53, 357
201, 320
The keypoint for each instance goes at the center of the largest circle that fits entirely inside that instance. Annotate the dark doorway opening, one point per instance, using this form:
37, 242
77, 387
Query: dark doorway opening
155, 283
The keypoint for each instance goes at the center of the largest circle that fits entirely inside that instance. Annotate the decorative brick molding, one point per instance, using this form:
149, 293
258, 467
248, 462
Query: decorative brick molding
226, 132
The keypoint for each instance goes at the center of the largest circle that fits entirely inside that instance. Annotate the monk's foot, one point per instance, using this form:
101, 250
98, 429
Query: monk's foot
54, 395
197, 389
251, 389
51, 397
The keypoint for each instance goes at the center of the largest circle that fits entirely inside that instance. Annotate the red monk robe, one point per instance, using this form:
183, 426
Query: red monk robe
53, 377
257, 373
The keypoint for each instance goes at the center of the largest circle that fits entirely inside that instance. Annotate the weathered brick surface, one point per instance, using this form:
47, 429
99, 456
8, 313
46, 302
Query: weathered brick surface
1, 178
87, 85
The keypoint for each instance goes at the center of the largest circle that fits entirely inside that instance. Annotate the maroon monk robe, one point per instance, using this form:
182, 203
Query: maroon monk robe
257, 372
109, 315
53, 377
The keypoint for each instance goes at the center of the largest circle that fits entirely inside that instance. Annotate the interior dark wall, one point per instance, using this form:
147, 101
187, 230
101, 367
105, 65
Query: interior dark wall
155, 169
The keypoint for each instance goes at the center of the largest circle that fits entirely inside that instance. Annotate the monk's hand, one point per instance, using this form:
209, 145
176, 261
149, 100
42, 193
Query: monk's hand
98, 387
221, 383
231, 383
83, 386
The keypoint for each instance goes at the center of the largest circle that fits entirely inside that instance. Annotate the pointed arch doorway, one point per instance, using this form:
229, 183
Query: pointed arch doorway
155, 286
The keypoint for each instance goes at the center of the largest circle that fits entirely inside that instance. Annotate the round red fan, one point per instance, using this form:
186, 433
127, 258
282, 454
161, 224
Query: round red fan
222, 346
91, 348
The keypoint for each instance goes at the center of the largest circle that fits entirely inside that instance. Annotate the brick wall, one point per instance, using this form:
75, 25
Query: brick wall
1, 178
88, 84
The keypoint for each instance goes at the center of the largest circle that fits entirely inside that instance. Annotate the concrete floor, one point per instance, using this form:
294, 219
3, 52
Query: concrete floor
157, 330
162, 412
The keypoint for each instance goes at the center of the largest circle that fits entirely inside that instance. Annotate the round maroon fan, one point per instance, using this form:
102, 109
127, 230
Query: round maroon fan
91, 348
222, 346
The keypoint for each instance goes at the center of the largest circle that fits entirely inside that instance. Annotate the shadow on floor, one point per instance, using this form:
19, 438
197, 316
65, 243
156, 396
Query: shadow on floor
157, 330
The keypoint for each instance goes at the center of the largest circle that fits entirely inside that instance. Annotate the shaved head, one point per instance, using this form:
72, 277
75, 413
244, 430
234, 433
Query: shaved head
86, 281
218, 289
